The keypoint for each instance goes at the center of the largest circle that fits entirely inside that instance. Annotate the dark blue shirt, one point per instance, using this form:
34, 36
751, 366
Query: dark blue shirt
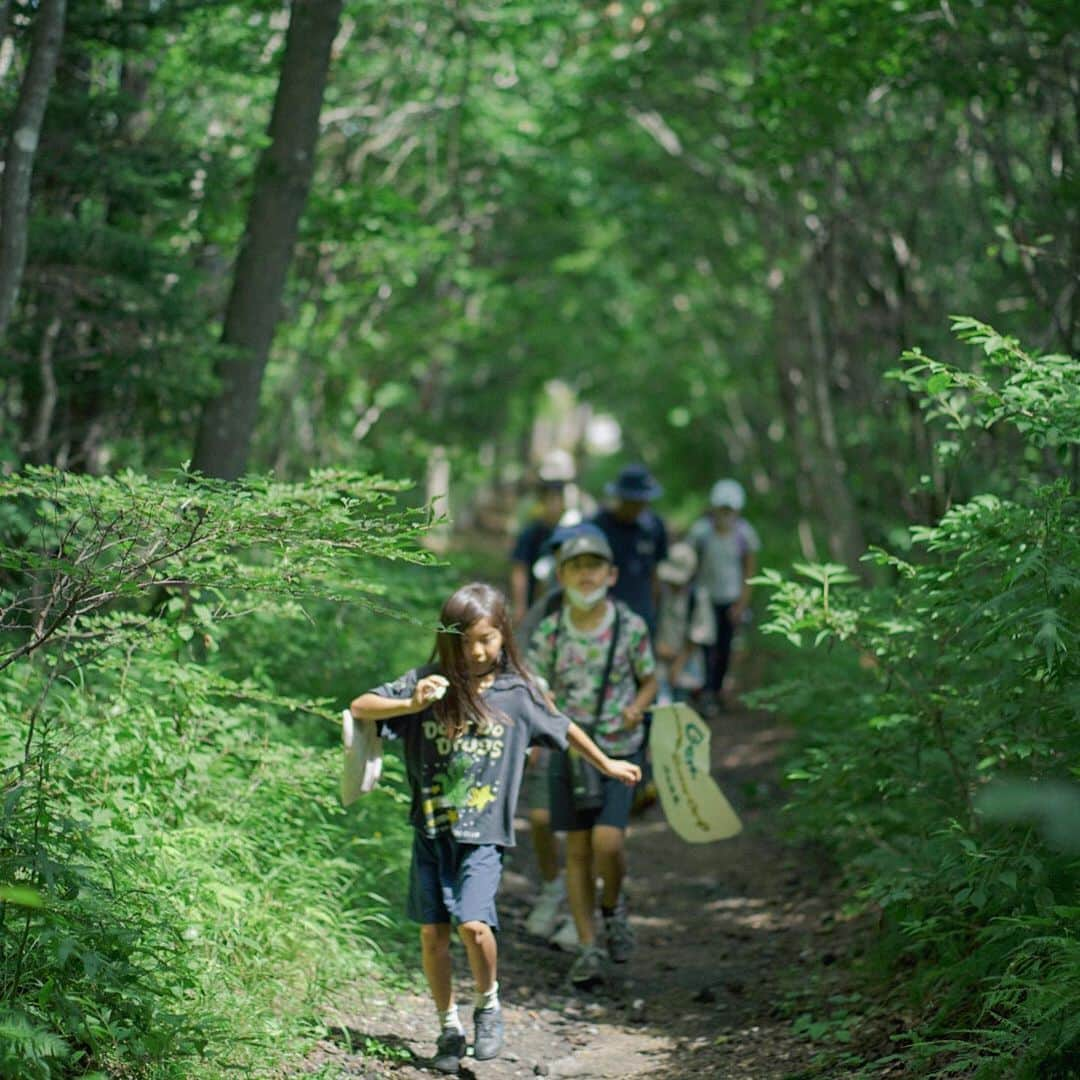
637, 546
528, 547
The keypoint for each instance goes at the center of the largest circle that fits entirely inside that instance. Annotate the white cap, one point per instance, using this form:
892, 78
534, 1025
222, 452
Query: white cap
728, 493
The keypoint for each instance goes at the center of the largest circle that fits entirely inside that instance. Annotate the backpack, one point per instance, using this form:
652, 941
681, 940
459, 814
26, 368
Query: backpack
742, 540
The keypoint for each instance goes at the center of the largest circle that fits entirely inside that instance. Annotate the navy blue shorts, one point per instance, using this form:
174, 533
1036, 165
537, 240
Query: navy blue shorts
565, 817
453, 882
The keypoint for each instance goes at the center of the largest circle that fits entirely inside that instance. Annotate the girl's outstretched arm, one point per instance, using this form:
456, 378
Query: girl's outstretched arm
376, 707
625, 771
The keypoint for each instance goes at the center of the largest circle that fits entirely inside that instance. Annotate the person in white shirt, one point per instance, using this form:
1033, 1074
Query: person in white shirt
726, 546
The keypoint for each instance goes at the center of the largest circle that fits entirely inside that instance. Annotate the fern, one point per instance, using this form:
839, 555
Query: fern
28, 1052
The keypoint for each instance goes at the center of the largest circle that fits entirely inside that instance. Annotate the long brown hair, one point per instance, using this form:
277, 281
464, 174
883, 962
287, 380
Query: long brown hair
463, 705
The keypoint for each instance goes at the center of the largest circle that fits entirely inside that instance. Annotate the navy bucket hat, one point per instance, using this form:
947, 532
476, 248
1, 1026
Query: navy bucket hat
635, 484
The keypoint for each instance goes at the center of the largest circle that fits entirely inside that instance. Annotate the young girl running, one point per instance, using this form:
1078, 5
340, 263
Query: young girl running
466, 721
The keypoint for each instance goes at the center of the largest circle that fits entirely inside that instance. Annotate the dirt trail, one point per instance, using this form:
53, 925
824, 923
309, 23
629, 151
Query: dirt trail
726, 933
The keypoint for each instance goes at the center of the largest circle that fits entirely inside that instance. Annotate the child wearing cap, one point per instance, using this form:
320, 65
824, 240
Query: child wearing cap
596, 658
726, 546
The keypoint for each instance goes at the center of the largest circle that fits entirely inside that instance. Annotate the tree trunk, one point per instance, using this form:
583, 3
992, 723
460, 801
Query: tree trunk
21, 148
837, 507
5, 21
282, 180
791, 389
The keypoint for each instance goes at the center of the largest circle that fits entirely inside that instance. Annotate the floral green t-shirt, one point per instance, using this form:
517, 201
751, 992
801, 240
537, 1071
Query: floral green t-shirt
575, 674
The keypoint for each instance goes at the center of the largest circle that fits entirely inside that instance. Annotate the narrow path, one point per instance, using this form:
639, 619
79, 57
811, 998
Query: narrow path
729, 935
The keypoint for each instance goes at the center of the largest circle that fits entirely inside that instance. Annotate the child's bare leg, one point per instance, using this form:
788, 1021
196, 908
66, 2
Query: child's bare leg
609, 851
482, 951
581, 883
544, 844
435, 954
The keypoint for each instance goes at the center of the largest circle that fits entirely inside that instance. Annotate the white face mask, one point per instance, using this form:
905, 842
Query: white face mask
585, 601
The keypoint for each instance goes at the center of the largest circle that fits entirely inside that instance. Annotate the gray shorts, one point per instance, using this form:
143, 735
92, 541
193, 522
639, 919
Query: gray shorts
450, 882
615, 810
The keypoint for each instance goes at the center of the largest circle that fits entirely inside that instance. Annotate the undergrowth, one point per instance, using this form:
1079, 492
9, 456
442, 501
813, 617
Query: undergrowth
939, 741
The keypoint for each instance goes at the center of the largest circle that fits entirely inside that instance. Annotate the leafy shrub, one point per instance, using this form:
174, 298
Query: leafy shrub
940, 740
179, 885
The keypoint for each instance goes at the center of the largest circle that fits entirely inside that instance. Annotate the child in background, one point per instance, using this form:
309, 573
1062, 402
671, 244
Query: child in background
680, 660
547, 917
466, 721
595, 655
726, 546
530, 542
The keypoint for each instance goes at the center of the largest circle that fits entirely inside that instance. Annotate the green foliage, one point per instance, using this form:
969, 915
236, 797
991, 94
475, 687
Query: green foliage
180, 885
27, 1052
940, 734
718, 224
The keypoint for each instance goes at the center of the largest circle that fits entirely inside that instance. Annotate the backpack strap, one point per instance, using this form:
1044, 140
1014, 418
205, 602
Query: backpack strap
742, 538
608, 663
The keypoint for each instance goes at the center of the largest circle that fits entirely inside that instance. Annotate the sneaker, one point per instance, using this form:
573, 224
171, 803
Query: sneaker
489, 1033
588, 967
565, 936
544, 917
449, 1051
619, 936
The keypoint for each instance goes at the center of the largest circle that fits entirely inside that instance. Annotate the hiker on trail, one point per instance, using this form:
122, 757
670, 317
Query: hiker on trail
680, 657
466, 720
596, 658
525, 585
548, 917
726, 546
550, 600
638, 539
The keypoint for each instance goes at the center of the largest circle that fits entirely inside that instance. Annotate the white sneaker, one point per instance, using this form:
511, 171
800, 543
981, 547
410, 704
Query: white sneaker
565, 937
544, 917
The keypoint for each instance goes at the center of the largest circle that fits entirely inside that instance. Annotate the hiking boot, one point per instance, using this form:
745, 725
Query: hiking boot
565, 937
449, 1051
544, 917
489, 1033
588, 968
619, 936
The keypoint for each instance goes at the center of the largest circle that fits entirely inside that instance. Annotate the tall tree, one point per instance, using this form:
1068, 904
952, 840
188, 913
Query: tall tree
21, 148
282, 180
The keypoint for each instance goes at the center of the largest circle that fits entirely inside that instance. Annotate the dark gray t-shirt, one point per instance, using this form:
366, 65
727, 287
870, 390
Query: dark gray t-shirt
469, 787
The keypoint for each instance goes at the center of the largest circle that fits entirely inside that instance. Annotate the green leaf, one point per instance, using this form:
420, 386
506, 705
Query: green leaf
22, 895
939, 382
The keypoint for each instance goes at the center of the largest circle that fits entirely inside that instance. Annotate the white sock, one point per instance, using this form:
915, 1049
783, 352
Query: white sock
450, 1021
488, 999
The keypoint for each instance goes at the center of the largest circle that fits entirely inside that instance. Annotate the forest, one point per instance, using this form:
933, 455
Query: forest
296, 296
